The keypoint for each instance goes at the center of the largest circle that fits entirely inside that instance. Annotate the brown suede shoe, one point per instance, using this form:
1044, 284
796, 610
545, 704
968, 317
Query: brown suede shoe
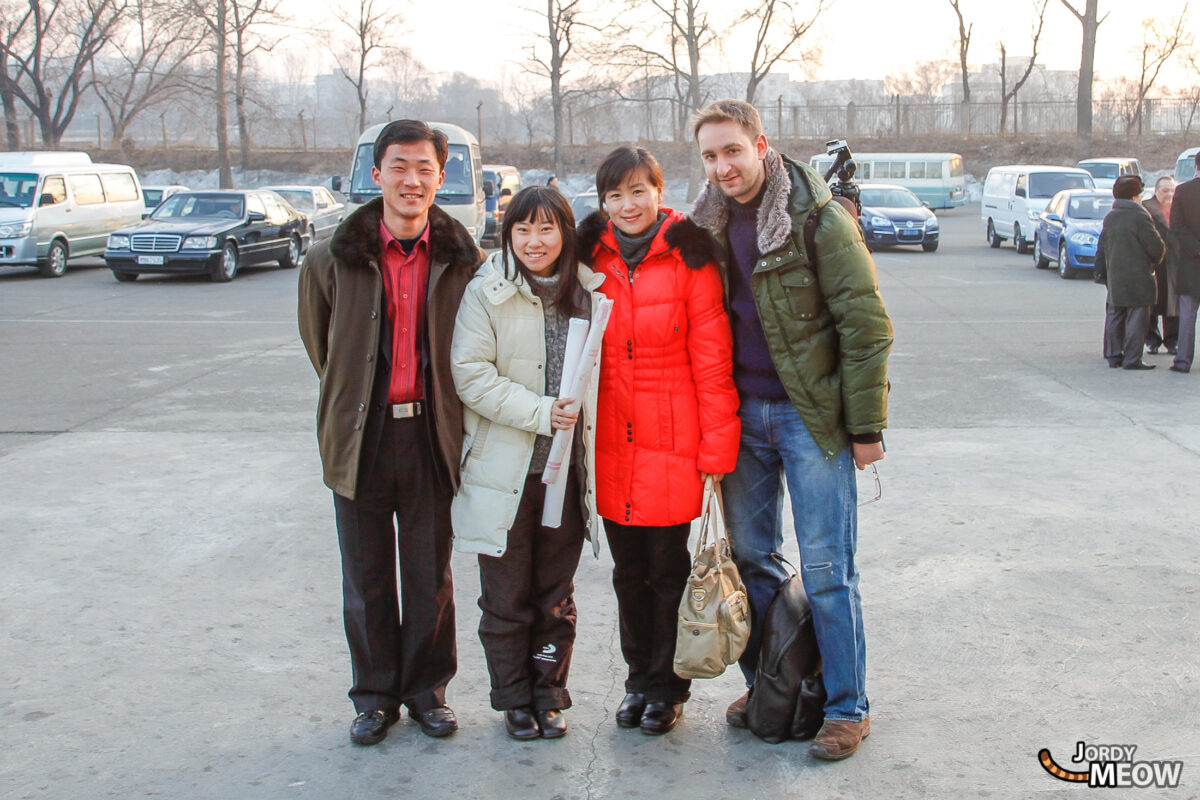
839, 738
735, 715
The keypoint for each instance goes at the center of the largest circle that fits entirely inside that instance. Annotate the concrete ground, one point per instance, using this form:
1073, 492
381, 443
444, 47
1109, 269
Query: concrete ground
171, 595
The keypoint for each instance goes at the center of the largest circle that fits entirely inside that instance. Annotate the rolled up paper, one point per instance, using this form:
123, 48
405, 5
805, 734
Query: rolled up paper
579, 387
556, 492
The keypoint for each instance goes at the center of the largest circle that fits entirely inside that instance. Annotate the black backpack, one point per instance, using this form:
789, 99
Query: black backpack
788, 697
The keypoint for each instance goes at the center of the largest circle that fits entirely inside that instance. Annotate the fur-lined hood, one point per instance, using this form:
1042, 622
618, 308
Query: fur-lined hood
356, 240
695, 246
791, 194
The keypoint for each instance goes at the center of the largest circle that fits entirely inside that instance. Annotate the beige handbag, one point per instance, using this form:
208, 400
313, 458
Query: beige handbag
714, 613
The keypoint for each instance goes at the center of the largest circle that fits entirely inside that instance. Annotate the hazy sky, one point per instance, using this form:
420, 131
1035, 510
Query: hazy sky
862, 38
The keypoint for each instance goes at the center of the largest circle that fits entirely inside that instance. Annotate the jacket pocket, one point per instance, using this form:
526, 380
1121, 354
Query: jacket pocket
802, 291
479, 441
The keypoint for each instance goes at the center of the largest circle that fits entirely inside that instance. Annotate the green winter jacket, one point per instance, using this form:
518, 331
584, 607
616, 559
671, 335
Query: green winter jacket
825, 323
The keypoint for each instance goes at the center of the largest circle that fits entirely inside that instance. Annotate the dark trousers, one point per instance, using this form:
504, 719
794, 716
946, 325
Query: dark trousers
650, 572
396, 661
1125, 333
528, 603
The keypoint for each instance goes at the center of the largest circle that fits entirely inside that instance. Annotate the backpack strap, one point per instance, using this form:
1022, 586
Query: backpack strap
810, 225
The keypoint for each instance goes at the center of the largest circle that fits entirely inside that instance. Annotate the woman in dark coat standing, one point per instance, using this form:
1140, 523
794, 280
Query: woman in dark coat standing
1167, 305
1126, 256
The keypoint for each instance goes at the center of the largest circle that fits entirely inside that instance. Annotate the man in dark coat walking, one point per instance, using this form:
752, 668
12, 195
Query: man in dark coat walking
1128, 251
377, 305
1185, 224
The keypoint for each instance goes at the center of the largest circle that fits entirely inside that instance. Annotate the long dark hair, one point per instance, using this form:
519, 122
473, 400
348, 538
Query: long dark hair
535, 204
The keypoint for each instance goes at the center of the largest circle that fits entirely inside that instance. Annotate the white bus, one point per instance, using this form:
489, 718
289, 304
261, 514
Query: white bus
461, 196
936, 178
1185, 167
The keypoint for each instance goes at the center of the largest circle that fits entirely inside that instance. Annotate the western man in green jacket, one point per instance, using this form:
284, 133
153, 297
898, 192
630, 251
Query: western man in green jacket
811, 343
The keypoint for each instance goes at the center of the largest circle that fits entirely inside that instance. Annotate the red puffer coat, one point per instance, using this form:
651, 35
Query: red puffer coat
667, 406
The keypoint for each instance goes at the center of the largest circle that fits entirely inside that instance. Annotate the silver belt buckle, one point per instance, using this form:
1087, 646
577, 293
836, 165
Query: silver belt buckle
406, 410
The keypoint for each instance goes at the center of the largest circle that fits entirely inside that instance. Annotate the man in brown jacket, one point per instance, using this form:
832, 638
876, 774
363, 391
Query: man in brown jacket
377, 306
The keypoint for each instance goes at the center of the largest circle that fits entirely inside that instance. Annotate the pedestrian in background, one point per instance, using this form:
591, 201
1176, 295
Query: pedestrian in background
667, 415
1166, 307
509, 345
1185, 227
377, 303
1128, 251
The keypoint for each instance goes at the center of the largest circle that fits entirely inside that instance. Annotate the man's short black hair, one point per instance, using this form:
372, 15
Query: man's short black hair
407, 131
1127, 187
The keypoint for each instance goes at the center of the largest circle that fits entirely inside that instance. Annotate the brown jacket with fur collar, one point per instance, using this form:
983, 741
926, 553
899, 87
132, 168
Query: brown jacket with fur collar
342, 321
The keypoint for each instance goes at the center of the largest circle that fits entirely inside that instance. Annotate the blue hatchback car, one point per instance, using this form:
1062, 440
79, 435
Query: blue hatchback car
1069, 229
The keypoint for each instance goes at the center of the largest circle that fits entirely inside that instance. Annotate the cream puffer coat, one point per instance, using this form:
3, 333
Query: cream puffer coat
498, 360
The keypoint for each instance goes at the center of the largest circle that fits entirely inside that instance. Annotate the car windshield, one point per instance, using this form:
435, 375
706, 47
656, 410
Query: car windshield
888, 198
152, 197
299, 199
1089, 207
1108, 171
585, 204
202, 206
1048, 184
459, 180
17, 189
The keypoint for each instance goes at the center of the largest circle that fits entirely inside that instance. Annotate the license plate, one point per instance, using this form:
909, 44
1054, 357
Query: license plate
152, 260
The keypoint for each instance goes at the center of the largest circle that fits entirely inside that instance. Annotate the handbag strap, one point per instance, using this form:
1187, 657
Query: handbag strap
712, 516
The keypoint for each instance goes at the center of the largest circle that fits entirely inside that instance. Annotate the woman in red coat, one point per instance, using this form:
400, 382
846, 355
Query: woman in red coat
666, 414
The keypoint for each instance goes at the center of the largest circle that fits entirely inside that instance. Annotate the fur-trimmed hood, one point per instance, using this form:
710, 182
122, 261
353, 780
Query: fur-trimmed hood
790, 193
696, 247
356, 240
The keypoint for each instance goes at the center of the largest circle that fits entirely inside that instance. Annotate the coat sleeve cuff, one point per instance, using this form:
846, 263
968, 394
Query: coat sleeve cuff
867, 438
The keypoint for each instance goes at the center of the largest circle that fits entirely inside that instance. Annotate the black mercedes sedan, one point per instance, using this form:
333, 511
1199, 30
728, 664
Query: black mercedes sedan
214, 232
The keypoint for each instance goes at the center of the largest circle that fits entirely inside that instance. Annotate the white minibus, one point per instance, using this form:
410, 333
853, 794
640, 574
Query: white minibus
936, 178
52, 212
461, 196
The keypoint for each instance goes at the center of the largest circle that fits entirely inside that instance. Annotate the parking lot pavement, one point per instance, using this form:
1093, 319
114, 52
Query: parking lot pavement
171, 586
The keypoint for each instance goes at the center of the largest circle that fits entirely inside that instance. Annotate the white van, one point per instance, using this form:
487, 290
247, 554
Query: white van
40, 157
1185, 166
49, 213
461, 196
1015, 196
1105, 171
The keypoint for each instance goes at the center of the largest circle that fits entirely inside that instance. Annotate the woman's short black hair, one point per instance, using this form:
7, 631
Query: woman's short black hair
1127, 187
535, 204
407, 131
623, 162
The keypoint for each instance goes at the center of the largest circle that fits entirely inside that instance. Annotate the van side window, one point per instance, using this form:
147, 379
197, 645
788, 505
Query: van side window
87, 189
956, 167
56, 187
916, 169
933, 169
1021, 183
119, 187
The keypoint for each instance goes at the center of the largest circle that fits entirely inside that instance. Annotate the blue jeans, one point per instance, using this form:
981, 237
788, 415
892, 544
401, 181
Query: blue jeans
776, 446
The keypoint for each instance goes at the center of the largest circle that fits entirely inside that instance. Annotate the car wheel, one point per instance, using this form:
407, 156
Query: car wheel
1019, 241
929, 247
292, 257
227, 267
55, 263
125, 277
1039, 258
1064, 269
992, 239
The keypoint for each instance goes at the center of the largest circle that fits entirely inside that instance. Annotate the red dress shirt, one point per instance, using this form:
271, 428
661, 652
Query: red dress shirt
405, 277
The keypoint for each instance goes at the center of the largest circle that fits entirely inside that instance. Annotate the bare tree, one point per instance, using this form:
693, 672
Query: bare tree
778, 32
564, 24
1090, 21
246, 16
368, 29
926, 79
156, 42
1008, 95
964, 44
214, 17
10, 15
1159, 43
50, 48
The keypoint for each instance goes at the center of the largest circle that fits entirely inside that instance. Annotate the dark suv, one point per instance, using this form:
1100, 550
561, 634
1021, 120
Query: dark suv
500, 183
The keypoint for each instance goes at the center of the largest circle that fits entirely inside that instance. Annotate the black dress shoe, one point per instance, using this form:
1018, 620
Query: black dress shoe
436, 722
1177, 368
520, 724
659, 718
1140, 365
371, 727
1152, 349
552, 722
1114, 364
629, 713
